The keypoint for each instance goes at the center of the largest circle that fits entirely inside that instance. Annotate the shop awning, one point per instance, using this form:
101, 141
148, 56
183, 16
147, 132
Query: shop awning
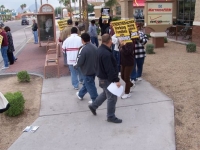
138, 3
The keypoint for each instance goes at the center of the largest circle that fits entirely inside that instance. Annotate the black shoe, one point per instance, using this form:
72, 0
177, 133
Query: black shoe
92, 110
114, 120
15, 59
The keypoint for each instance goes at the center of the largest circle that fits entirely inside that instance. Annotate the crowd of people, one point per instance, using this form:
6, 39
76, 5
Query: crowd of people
112, 59
7, 46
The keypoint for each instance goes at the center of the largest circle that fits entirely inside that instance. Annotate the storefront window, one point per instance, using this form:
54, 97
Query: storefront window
185, 12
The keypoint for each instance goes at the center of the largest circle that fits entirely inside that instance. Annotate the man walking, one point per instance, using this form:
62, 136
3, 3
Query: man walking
86, 60
35, 32
93, 33
71, 46
107, 72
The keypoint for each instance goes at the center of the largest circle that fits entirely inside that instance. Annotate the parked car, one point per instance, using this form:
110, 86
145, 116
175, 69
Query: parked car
25, 21
91, 16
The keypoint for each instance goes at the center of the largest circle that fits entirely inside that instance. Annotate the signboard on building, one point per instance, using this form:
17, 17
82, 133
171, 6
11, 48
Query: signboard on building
159, 14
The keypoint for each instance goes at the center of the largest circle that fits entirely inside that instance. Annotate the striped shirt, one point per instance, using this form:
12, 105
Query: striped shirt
71, 46
139, 45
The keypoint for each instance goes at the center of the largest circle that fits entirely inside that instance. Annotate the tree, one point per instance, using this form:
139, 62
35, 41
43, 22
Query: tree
2, 7
110, 4
57, 10
23, 6
90, 8
85, 14
67, 3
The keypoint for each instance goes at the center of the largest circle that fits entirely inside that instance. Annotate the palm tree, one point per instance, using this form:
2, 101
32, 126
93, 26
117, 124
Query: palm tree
67, 3
23, 6
110, 4
2, 7
85, 14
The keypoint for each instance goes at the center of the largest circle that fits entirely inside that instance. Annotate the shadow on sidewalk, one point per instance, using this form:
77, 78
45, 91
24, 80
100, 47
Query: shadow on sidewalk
32, 59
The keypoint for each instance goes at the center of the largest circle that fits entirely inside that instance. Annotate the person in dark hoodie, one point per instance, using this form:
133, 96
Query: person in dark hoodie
104, 24
107, 72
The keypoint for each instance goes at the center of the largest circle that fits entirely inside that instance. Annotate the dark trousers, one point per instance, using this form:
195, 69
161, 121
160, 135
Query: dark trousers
138, 68
125, 75
95, 41
117, 57
10, 57
112, 99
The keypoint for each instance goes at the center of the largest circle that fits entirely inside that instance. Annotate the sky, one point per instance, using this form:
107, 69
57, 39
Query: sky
15, 4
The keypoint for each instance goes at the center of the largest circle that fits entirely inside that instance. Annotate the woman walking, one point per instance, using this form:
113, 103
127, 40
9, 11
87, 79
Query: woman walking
11, 49
127, 63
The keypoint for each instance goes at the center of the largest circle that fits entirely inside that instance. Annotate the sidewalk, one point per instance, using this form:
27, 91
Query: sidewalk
66, 122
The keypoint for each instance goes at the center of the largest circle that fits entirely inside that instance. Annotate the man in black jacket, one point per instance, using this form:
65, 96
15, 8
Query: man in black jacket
86, 60
35, 32
107, 72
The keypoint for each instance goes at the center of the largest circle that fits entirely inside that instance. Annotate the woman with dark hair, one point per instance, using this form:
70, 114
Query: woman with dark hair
11, 48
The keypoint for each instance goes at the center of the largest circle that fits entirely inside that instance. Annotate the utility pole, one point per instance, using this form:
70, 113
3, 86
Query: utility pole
41, 2
36, 6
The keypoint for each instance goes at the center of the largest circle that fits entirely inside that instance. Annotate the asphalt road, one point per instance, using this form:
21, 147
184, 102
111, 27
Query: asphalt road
15, 25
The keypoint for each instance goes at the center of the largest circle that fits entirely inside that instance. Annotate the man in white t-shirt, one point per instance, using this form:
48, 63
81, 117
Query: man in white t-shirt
71, 45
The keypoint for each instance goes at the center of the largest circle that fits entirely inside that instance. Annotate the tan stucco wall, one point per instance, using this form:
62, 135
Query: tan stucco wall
197, 11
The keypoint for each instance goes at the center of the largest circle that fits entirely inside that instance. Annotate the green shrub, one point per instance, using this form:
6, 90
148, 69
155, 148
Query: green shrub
23, 76
191, 47
165, 40
116, 18
150, 49
16, 101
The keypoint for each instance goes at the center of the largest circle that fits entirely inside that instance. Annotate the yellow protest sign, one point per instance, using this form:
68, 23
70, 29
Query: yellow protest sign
62, 24
132, 28
121, 31
1, 39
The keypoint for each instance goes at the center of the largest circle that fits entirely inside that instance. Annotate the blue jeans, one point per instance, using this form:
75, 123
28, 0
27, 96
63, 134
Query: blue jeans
4, 50
137, 69
117, 57
75, 74
35, 33
89, 86
95, 41
112, 99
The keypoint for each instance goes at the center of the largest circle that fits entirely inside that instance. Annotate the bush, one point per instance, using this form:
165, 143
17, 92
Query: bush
23, 76
150, 49
165, 40
16, 101
191, 47
116, 18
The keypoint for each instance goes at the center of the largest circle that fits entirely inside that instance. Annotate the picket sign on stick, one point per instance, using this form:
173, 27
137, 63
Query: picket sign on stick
62, 24
125, 30
121, 31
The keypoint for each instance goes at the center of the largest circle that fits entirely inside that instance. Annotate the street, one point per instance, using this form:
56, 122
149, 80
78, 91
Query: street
21, 34
15, 25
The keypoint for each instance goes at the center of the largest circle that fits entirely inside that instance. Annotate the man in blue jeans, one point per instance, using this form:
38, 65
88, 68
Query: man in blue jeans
86, 61
4, 47
93, 33
107, 73
35, 31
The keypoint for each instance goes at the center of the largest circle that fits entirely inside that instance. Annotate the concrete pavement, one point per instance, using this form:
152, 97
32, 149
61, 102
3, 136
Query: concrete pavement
66, 122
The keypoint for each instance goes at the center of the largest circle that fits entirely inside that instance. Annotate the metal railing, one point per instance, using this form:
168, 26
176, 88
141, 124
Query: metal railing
180, 33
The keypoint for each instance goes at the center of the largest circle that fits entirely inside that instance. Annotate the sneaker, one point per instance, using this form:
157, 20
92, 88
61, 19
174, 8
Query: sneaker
119, 73
139, 79
92, 110
114, 120
75, 88
90, 102
131, 89
15, 59
133, 81
77, 94
125, 96
81, 82
3, 68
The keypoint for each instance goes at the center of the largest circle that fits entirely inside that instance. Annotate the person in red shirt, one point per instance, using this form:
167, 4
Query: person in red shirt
4, 47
